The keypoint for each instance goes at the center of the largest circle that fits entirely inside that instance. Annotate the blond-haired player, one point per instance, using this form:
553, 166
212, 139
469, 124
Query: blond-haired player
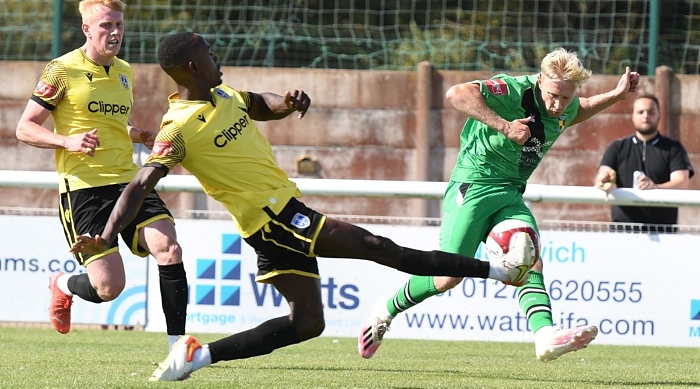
88, 92
512, 122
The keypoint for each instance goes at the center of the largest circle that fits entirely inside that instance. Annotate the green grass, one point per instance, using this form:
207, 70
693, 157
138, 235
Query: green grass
41, 358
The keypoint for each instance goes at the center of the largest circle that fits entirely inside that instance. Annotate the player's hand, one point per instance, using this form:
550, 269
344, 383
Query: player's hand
298, 101
91, 246
629, 82
606, 181
147, 138
518, 131
86, 142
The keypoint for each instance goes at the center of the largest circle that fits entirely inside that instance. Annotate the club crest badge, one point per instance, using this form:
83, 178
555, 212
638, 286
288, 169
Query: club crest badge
562, 123
222, 94
301, 221
125, 81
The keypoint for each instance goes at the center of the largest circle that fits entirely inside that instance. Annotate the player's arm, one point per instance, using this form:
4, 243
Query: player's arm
30, 131
123, 213
270, 106
163, 158
590, 106
141, 136
467, 98
130, 201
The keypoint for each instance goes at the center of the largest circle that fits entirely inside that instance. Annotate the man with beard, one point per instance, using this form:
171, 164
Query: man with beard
645, 160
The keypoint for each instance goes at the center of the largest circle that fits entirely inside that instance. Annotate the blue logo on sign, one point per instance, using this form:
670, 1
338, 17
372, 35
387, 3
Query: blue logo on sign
204, 294
230, 269
231, 244
694, 309
219, 277
126, 306
206, 269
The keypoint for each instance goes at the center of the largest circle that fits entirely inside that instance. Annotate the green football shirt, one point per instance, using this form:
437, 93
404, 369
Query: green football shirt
488, 157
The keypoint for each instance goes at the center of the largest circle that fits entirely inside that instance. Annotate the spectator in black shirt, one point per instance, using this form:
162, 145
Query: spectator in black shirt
662, 163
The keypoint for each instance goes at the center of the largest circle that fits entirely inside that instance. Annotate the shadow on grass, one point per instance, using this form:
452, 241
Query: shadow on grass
462, 373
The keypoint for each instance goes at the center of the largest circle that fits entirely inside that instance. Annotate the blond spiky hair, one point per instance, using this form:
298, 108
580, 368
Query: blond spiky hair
88, 8
565, 65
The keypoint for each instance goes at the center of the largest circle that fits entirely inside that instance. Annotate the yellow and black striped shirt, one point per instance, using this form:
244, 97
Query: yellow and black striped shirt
221, 146
81, 95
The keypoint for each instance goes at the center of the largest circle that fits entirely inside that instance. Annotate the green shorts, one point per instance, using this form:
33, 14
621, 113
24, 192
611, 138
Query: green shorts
470, 211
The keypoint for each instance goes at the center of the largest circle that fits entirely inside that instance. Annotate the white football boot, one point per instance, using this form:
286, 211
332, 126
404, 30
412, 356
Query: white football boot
178, 365
373, 331
551, 342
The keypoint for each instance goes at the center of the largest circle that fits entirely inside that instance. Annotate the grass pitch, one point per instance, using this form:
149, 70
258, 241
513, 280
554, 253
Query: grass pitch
41, 358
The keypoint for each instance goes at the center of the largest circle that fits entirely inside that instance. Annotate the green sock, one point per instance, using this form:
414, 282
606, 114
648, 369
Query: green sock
417, 289
534, 301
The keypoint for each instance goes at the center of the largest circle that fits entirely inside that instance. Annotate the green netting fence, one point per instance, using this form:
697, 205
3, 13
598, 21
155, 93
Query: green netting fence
491, 35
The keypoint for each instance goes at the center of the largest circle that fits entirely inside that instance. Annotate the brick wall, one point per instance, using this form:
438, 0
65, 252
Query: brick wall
362, 126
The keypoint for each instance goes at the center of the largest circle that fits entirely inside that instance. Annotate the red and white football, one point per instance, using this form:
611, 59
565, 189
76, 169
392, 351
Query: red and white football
517, 245
499, 239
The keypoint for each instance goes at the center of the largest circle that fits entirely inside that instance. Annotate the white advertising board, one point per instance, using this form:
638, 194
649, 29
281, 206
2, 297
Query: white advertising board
33, 247
638, 289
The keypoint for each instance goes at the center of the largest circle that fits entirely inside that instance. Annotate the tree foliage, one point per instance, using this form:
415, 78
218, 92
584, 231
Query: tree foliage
388, 34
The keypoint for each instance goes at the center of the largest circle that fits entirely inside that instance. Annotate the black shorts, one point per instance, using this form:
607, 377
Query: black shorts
285, 245
86, 211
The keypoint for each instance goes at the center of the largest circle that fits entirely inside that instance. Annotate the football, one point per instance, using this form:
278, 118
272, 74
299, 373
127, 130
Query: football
510, 238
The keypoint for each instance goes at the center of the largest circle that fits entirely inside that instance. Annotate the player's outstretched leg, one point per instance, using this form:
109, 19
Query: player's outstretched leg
59, 306
511, 269
551, 342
